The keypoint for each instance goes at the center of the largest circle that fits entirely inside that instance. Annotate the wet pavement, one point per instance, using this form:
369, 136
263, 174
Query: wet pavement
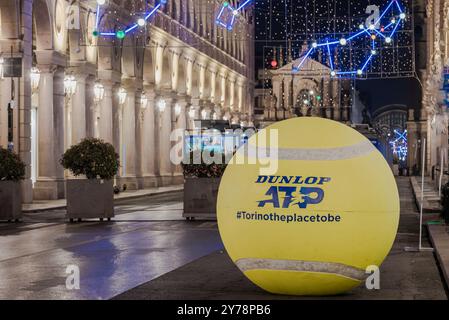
150, 252
147, 239
403, 275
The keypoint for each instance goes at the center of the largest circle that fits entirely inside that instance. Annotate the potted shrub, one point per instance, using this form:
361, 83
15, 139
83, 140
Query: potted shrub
12, 171
445, 202
91, 195
201, 183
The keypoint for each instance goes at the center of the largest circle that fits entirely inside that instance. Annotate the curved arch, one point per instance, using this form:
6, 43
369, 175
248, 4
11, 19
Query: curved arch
204, 83
42, 25
148, 66
218, 93
182, 76
389, 108
195, 81
163, 70
128, 57
108, 48
139, 52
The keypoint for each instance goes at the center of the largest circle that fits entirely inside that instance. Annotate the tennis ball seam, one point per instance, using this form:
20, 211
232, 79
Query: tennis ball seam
248, 264
308, 154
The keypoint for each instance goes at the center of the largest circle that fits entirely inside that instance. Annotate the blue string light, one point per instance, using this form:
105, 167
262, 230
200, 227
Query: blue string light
227, 14
399, 144
120, 34
371, 31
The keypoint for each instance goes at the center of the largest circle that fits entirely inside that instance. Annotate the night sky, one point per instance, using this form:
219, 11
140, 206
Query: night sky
284, 26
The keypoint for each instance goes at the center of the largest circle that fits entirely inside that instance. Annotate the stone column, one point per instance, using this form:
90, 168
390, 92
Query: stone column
206, 110
45, 187
164, 119
78, 117
148, 151
139, 109
60, 130
105, 114
288, 93
196, 112
413, 137
128, 134
336, 100
232, 95
116, 120
180, 123
90, 107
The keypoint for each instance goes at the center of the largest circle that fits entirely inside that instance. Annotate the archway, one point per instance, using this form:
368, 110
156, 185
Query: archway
182, 76
42, 26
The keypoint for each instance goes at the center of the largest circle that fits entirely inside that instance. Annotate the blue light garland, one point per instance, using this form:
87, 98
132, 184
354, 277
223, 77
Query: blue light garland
120, 34
399, 144
227, 15
386, 34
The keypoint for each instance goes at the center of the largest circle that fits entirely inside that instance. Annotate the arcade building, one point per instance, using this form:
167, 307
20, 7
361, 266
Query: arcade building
63, 80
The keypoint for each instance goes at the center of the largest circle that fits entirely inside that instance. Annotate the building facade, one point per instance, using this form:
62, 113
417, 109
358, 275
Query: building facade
431, 123
285, 93
131, 92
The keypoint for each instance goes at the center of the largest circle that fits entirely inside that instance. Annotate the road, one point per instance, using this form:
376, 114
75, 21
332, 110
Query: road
150, 252
403, 275
147, 239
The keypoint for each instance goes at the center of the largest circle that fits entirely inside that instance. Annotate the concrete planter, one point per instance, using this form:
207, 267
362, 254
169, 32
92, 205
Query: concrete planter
90, 199
200, 198
10, 201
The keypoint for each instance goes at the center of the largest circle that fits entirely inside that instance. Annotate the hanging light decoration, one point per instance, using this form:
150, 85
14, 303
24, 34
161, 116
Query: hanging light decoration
122, 94
143, 101
177, 109
35, 76
162, 105
70, 85
98, 91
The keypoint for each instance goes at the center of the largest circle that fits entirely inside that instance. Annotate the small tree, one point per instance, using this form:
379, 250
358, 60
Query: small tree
11, 167
203, 169
93, 158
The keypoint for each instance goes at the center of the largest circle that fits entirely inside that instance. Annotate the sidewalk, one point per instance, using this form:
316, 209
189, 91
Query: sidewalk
39, 206
439, 236
431, 203
438, 233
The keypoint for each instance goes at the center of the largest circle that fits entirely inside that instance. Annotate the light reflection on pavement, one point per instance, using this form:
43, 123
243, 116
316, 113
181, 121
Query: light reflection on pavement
147, 239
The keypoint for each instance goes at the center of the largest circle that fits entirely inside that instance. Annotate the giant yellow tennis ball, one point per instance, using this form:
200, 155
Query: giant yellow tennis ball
314, 222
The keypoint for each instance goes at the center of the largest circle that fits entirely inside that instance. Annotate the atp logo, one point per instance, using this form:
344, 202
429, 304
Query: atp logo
301, 191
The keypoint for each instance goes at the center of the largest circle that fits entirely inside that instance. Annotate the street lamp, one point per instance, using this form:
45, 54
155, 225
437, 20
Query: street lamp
98, 91
70, 85
122, 94
69, 89
35, 77
98, 97
161, 105
143, 101
177, 110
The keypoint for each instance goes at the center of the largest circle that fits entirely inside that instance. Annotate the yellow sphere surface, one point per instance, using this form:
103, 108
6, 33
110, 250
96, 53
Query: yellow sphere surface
310, 217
